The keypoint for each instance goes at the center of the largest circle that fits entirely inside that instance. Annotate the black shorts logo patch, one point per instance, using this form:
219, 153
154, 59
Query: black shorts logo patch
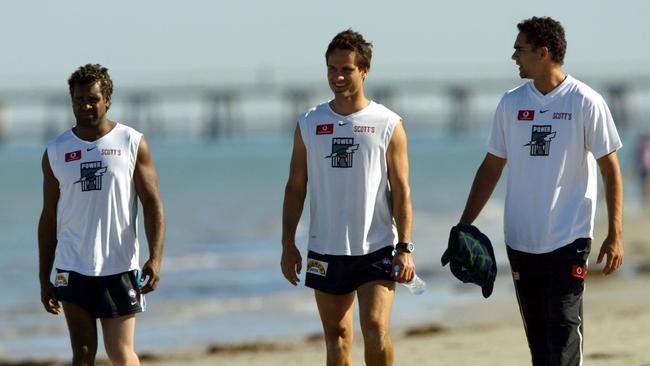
316, 267
91, 176
540, 140
133, 296
343, 149
61, 279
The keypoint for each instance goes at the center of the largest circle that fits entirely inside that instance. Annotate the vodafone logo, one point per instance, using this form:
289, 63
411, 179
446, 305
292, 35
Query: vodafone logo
579, 272
72, 156
526, 115
326, 129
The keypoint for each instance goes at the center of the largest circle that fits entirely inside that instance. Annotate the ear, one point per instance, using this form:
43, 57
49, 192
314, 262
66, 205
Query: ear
544, 53
108, 102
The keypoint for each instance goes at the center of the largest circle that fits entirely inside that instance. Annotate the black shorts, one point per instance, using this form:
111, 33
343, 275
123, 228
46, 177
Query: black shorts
342, 274
549, 289
102, 296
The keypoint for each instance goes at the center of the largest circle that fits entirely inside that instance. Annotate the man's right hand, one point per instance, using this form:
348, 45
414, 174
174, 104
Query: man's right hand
291, 263
48, 299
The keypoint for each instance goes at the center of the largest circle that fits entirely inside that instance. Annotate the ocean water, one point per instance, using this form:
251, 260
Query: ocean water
221, 281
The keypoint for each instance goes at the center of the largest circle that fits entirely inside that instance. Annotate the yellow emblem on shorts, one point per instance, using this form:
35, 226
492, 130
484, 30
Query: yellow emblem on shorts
61, 279
316, 267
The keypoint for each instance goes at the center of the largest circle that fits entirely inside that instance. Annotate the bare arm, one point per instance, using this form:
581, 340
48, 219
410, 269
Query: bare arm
398, 177
612, 247
47, 236
294, 200
485, 181
146, 185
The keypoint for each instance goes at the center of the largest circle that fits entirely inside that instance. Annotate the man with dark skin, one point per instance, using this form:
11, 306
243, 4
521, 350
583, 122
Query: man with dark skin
93, 175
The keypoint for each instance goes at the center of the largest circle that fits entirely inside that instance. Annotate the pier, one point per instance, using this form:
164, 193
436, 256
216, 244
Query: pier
215, 112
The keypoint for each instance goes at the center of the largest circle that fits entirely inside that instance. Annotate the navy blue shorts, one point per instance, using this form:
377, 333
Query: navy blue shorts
102, 296
342, 274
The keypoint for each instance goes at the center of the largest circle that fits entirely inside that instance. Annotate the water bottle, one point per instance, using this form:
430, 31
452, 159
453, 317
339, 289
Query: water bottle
416, 285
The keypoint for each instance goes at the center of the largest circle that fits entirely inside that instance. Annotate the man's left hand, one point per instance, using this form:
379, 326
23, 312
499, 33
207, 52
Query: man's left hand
404, 261
613, 250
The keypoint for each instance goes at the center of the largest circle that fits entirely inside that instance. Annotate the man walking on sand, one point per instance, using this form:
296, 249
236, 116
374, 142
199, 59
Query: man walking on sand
93, 176
351, 153
554, 132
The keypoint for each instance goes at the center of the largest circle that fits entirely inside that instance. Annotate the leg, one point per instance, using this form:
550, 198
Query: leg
565, 327
336, 314
564, 313
375, 303
118, 340
83, 334
530, 289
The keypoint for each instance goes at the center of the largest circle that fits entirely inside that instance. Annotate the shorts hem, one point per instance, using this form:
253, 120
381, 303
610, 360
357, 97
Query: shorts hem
119, 315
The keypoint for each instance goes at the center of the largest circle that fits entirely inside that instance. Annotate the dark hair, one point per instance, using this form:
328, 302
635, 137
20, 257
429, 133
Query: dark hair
545, 32
91, 73
352, 41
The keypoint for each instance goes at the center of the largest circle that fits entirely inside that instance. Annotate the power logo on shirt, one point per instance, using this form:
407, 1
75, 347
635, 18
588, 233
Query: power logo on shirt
540, 140
343, 149
91, 176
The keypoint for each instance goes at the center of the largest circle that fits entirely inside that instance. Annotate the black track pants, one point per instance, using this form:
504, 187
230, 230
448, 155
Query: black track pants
549, 289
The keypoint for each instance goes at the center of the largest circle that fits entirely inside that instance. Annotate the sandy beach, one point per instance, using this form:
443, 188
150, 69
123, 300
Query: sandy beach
616, 333
488, 332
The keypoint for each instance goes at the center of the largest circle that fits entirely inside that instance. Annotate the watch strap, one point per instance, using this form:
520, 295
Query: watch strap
406, 247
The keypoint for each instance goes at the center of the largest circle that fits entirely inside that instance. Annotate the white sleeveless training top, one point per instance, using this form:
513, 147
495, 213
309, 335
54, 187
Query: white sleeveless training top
96, 212
350, 203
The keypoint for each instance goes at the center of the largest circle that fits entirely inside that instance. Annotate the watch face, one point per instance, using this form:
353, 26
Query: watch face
409, 247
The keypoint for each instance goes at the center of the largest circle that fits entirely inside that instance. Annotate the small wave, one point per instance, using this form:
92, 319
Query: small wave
286, 302
207, 260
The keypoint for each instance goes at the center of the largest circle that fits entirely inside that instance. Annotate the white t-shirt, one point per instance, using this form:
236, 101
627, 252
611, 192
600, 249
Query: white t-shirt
551, 143
96, 212
350, 203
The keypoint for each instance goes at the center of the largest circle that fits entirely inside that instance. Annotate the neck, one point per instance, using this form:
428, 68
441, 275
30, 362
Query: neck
92, 133
549, 80
345, 105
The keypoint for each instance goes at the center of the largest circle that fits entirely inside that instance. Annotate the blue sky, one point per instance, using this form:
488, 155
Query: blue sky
284, 40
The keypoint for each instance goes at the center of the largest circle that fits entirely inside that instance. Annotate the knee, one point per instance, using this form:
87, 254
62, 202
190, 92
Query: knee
376, 333
83, 355
122, 356
338, 337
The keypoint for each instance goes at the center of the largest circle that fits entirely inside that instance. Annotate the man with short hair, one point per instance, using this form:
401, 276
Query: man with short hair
352, 154
93, 176
553, 132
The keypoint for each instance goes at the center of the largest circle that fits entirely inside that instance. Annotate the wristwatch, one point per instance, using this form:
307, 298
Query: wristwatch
407, 247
